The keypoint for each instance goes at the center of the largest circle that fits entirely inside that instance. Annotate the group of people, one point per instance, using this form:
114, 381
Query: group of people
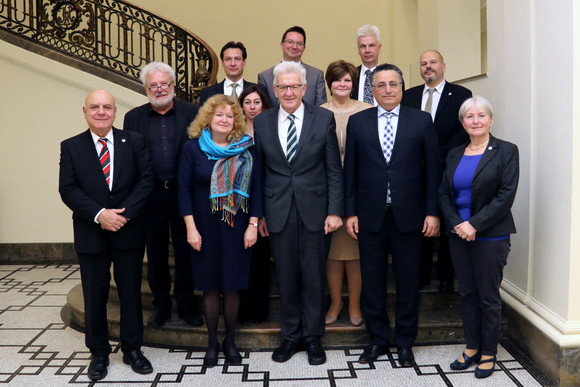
274, 170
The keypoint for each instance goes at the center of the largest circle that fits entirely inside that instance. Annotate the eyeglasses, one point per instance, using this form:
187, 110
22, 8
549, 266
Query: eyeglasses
161, 86
382, 86
283, 88
291, 43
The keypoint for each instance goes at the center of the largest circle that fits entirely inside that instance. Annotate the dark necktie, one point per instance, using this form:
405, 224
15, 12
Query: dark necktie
105, 159
291, 140
368, 91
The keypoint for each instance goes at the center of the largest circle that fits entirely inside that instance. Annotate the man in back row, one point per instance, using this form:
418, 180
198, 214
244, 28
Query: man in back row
233, 56
369, 47
293, 45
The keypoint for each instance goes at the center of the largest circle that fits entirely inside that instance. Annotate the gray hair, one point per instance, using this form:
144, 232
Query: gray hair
477, 101
290, 67
155, 67
368, 30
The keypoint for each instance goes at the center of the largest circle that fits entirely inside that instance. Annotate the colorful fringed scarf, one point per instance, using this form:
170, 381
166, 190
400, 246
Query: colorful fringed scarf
230, 178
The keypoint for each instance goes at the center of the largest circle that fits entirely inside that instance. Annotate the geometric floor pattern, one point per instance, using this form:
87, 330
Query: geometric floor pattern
38, 349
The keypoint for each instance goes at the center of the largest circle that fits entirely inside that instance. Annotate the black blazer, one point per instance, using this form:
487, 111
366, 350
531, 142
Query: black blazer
492, 192
218, 88
315, 177
450, 132
354, 92
84, 190
137, 120
414, 171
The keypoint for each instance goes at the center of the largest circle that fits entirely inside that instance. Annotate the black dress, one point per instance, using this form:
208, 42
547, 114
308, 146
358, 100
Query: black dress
222, 263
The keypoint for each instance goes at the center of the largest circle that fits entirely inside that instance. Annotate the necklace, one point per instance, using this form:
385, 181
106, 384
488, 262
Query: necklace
478, 147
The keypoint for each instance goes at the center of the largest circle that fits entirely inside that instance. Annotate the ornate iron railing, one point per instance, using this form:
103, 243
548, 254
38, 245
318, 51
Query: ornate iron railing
109, 38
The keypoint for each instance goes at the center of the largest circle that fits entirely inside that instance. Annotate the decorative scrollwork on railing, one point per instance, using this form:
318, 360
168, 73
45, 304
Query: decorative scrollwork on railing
114, 35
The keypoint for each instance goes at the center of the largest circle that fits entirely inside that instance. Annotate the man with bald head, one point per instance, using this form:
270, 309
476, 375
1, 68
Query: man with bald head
106, 179
441, 99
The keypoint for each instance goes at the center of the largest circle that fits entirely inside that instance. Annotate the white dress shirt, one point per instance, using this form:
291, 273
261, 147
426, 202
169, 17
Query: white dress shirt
98, 148
436, 98
383, 123
361, 85
284, 124
228, 88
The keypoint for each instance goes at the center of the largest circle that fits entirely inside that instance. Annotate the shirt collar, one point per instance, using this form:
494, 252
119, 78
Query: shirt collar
228, 82
364, 68
299, 113
395, 111
439, 87
109, 137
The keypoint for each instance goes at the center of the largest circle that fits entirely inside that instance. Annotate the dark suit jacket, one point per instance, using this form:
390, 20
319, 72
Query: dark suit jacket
315, 91
83, 189
315, 177
217, 88
493, 190
137, 120
414, 171
450, 132
354, 93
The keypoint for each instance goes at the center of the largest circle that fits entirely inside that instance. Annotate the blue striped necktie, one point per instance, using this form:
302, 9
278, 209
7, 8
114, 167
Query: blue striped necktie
291, 140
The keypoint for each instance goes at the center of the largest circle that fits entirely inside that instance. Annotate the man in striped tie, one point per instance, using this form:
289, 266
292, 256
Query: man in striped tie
297, 147
106, 179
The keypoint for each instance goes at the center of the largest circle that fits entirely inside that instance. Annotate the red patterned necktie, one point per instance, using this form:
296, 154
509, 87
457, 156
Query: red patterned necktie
105, 159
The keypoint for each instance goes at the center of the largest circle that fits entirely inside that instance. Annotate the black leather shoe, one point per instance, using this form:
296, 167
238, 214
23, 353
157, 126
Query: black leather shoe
210, 361
406, 357
137, 361
284, 352
192, 319
467, 361
372, 353
446, 287
159, 318
98, 367
233, 358
316, 355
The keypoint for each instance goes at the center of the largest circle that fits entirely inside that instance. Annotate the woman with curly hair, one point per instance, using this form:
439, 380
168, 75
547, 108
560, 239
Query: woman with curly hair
220, 200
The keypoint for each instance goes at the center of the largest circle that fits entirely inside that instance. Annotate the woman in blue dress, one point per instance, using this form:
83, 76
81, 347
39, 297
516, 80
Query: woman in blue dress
220, 200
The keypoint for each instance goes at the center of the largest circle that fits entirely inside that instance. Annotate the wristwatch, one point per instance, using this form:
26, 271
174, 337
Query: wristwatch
255, 224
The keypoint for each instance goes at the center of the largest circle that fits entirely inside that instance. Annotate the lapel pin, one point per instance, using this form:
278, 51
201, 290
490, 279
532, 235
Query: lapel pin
123, 140
490, 148
450, 93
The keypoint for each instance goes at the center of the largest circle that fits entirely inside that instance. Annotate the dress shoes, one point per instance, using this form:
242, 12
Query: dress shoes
209, 361
137, 361
284, 352
483, 373
406, 357
234, 358
316, 355
159, 318
192, 319
372, 353
98, 367
331, 318
467, 361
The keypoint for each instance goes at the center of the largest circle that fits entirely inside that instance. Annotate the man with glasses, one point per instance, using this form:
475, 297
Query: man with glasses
392, 172
369, 47
297, 147
293, 45
164, 122
233, 56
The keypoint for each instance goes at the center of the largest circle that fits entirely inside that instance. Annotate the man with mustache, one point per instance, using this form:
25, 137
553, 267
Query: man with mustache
164, 122
442, 100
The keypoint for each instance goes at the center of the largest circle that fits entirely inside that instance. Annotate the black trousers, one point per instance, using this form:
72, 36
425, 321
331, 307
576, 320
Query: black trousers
163, 219
255, 301
95, 279
301, 266
444, 265
479, 267
405, 249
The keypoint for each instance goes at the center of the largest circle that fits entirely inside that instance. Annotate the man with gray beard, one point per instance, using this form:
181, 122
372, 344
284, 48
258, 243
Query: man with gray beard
163, 122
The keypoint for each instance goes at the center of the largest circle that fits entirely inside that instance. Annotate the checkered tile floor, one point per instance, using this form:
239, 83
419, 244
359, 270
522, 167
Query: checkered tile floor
38, 349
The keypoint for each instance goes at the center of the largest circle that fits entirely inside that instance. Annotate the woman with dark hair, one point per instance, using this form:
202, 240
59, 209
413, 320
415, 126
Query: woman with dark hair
476, 194
255, 301
344, 256
220, 200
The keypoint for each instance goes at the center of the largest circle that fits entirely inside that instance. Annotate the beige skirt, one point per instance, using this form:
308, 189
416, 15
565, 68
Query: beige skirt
343, 246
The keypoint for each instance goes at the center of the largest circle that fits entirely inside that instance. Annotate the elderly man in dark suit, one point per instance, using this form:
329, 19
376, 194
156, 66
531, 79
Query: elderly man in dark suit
233, 56
392, 170
106, 179
163, 122
442, 100
293, 45
369, 47
303, 199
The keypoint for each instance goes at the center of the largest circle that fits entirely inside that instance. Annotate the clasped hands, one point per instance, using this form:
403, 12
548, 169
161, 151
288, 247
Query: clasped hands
111, 219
